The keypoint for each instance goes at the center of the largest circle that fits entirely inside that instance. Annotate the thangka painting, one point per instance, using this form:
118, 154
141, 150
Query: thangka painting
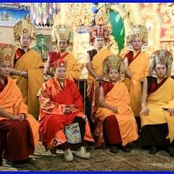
11, 13
43, 45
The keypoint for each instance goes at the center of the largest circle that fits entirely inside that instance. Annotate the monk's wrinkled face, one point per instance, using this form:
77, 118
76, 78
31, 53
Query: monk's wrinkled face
25, 41
160, 70
5, 69
99, 42
62, 45
137, 43
60, 73
113, 75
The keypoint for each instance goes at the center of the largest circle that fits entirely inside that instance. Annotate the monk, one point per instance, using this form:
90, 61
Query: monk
137, 67
18, 130
61, 35
114, 112
157, 114
28, 66
99, 39
61, 114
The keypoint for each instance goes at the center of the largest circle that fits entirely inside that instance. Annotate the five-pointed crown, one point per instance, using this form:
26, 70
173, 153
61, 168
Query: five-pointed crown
100, 29
162, 57
138, 31
24, 27
61, 30
7, 52
113, 62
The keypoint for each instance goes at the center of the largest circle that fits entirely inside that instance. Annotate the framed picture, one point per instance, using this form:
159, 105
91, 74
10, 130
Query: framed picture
43, 45
11, 13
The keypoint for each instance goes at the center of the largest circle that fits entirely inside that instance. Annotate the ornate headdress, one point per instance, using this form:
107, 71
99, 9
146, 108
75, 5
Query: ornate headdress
162, 57
61, 32
83, 20
7, 52
60, 63
24, 27
101, 29
113, 62
138, 31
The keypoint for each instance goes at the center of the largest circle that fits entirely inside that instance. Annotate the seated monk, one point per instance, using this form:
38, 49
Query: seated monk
18, 130
157, 114
62, 121
114, 112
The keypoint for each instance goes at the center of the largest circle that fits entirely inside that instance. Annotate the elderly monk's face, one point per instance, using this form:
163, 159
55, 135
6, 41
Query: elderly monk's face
62, 45
60, 73
25, 41
5, 69
160, 71
137, 43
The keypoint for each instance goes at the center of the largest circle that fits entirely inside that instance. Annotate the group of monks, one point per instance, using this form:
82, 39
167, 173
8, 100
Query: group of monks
128, 95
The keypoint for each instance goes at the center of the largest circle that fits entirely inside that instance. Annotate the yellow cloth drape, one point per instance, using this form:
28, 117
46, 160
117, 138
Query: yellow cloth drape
32, 63
120, 98
139, 69
97, 63
12, 102
73, 67
156, 101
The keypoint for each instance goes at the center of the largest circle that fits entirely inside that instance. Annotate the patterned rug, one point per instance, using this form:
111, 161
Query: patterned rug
101, 160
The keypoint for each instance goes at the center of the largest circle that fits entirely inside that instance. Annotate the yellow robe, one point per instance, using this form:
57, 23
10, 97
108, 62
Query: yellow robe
73, 67
119, 97
32, 63
156, 101
139, 69
12, 102
97, 63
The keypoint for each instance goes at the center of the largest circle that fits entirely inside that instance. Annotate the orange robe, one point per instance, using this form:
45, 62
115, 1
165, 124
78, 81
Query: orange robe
53, 99
73, 67
119, 97
32, 63
139, 68
12, 102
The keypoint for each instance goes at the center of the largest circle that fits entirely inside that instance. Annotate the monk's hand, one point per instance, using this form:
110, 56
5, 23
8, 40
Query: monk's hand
171, 111
68, 109
73, 106
130, 76
99, 79
22, 117
144, 111
24, 74
115, 109
19, 117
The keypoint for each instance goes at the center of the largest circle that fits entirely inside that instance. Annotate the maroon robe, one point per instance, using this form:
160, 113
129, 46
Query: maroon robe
16, 139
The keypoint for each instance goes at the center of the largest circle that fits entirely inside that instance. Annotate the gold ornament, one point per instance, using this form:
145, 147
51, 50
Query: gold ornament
138, 31
7, 52
113, 62
21, 28
162, 57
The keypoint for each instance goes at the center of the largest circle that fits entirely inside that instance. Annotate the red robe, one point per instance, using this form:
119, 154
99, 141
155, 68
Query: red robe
53, 98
